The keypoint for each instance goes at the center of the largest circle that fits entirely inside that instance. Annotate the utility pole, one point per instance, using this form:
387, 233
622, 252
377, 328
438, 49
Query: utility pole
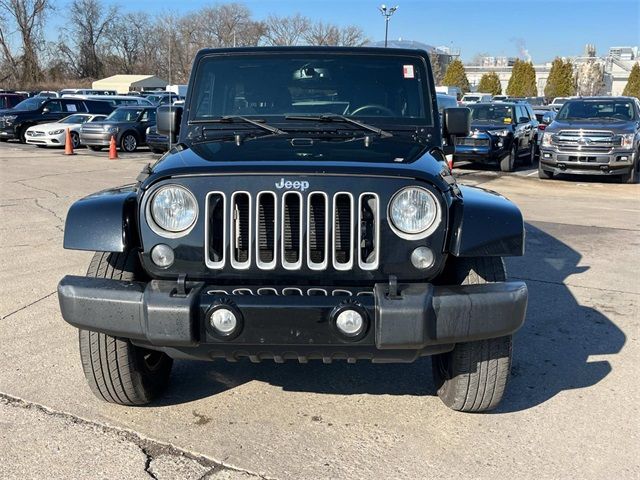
387, 12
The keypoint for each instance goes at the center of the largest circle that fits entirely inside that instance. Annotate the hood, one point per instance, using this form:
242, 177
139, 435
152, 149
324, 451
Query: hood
621, 126
395, 156
488, 127
52, 126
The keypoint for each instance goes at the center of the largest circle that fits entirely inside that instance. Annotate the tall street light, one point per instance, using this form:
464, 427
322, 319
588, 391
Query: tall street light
387, 12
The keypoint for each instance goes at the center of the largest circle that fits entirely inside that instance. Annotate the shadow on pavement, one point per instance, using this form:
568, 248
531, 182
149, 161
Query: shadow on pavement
551, 352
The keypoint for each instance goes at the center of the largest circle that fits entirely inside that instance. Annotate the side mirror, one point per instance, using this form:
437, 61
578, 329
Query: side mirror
547, 119
456, 122
523, 120
168, 118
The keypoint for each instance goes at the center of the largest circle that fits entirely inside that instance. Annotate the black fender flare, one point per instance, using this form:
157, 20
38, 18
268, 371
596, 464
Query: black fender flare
105, 221
486, 224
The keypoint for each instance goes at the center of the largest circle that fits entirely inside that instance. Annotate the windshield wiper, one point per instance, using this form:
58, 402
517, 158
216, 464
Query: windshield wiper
341, 118
235, 118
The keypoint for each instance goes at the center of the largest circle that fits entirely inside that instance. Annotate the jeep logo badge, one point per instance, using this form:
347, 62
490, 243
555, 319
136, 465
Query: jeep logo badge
288, 185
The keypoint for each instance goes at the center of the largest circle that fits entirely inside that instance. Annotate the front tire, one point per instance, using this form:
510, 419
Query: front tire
128, 143
75, 140
116, 370
632, 176
543, 174
508, 163
473, 376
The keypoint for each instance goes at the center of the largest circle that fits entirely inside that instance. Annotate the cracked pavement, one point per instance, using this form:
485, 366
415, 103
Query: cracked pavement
571, 409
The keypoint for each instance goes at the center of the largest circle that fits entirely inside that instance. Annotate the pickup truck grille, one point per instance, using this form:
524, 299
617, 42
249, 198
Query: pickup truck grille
582, 140
473, 142
292, 230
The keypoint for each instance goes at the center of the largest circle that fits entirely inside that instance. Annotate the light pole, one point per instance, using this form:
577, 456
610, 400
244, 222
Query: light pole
387, 12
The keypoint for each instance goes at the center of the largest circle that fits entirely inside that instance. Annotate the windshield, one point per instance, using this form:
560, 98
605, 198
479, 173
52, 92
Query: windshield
392, 88
124, 115
32, 103
492, 113
597, 109
75, 119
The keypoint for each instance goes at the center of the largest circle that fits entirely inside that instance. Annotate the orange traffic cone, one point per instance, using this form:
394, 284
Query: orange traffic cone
113, 152
68, 144
450, 161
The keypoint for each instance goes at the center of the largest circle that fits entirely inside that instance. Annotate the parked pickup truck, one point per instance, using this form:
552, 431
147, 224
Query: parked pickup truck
593, 136
305, 213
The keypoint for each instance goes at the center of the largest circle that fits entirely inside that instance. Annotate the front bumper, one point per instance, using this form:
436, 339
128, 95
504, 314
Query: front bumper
97, 139
421, 319
584, 162
8, 132
48, 140
489, 153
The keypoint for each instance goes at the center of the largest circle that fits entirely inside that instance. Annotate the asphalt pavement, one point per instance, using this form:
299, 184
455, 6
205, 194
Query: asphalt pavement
570, 411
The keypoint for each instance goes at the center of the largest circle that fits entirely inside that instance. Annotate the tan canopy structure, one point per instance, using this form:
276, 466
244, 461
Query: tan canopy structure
125, 83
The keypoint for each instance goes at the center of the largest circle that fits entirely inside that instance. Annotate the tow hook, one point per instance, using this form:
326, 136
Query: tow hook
562, 166
604, 168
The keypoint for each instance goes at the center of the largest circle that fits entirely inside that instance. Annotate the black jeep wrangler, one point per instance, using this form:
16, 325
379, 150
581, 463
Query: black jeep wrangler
305, 211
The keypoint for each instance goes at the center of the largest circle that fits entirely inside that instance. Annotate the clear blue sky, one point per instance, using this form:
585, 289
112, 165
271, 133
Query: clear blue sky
546, 28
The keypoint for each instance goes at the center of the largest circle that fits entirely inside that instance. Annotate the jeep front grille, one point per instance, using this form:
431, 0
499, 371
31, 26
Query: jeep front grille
292, 230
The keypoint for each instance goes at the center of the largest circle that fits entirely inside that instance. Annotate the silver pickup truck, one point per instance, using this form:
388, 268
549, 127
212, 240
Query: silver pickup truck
593, 136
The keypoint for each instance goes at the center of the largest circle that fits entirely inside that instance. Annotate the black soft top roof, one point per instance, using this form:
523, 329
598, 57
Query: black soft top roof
311, 49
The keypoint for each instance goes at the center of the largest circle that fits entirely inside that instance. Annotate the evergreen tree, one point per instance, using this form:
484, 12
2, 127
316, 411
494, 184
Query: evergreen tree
633, 84
523, 80
456, 76
490, 83
560, 82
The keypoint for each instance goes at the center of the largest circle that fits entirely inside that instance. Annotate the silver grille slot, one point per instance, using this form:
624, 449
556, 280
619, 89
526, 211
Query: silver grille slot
266, 228
240, 232
317, 230
368, 231
291, 234
343, 231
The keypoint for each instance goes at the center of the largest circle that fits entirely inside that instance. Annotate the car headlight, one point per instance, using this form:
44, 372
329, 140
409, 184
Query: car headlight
626, 140
111, 129
546, 139
8, 119
413, 210
173, 209
501, 133
56, 132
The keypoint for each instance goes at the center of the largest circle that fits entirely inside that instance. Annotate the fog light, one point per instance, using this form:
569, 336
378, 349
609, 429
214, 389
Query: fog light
624, 159
547, 155
162, 255
350, 322
224, 321
500, 144
422, 258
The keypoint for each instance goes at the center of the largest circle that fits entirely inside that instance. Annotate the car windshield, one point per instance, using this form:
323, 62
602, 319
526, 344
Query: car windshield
492, 113
390, 89
32, 103
597, 109
75, 119
98, 118
124, 115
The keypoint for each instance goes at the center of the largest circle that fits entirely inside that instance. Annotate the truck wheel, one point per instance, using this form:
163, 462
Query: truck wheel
472, 377
118, 371
532, 154
632, 176
543, 174
508, 163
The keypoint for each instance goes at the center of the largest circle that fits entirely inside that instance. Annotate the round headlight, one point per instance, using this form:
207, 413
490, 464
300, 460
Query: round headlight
174, 208
413, 210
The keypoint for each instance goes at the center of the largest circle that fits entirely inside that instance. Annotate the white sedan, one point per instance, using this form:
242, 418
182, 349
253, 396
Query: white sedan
54, 134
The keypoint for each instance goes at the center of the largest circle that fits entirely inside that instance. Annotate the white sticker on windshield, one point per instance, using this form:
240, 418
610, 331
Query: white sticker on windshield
407, 71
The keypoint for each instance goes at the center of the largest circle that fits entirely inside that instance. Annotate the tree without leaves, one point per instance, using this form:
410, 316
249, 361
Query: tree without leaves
436, 67
285, 31
490, 83
632, 89
456, 76
590, 79
28, 16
